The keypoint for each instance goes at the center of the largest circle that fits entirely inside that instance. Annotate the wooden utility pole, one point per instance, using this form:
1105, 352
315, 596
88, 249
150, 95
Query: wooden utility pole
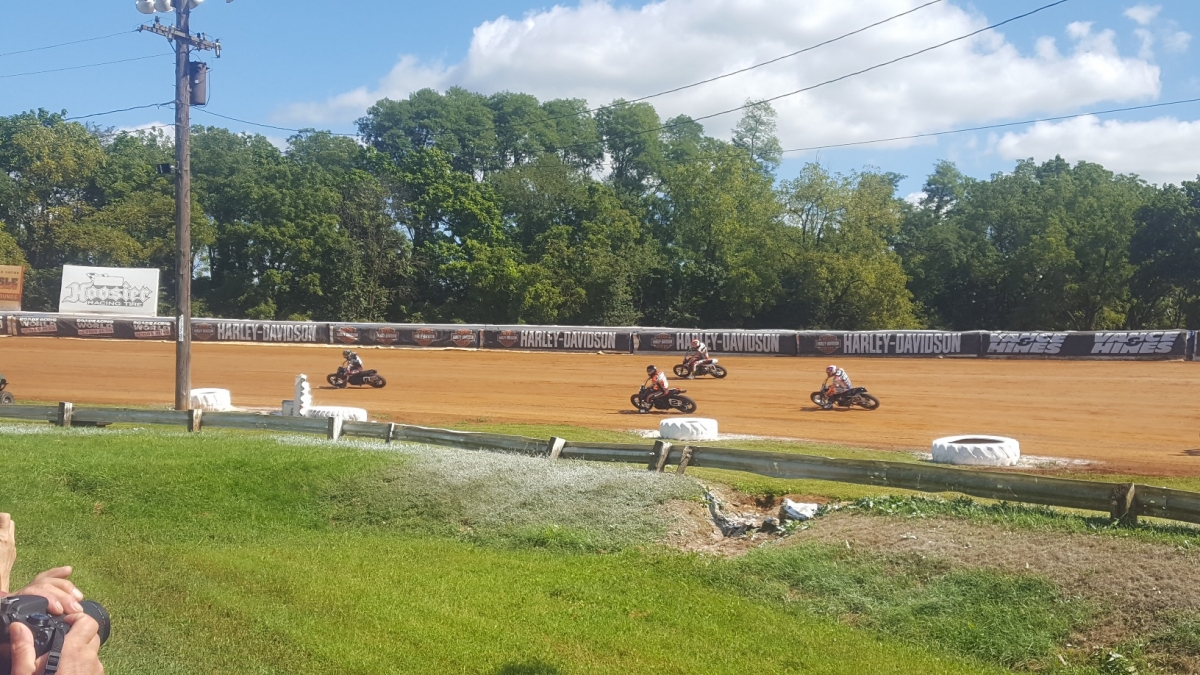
184, 41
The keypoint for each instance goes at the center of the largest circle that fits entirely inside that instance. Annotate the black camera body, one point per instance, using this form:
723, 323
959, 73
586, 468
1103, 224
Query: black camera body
48, 631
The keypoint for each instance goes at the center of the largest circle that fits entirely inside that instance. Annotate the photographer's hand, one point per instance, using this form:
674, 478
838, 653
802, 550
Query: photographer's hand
55, 586
80, 652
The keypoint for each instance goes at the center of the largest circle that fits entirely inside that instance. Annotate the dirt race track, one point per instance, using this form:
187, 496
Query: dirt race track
1141, 417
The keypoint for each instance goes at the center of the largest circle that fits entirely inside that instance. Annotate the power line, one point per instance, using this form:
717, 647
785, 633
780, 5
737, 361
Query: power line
757, 65
120, 110
267, 126
871, 68
65, 44
847, 76
89, 65
993, 126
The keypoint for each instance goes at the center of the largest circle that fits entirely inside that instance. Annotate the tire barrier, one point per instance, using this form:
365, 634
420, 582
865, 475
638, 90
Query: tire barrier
891, 343
688, 429
977, 450
406, 335
677, 340
210, 400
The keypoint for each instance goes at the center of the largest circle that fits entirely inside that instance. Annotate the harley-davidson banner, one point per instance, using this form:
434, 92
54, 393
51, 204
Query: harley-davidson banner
12, 284
719, 342
219, 330
890, 343
555, 338
406, 335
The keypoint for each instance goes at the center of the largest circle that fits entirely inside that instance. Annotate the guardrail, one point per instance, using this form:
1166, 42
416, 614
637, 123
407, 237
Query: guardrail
1122, 501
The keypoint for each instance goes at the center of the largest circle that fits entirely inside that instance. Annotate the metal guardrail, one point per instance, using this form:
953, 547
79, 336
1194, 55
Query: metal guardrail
1122, 501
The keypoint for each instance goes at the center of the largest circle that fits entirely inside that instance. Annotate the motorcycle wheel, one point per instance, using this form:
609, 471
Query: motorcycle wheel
866, 401
636, 401
681, 371
6, 398
818, 398
378, 382
683, 404
719, 372
337, 381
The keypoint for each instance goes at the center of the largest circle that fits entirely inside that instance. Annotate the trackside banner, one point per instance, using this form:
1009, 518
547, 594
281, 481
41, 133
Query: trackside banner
94, 327
558, 338
12, 284
115, 291
890, 343
1103, 344
719, 342
226, 330
406, 335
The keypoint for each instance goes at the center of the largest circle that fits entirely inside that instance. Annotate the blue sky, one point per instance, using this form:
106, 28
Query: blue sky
308, 63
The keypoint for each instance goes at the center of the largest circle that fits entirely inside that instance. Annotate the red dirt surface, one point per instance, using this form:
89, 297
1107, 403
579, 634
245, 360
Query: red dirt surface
1137, 417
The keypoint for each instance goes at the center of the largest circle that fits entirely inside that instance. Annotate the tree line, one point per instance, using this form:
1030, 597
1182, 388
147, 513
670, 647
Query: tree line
461, 207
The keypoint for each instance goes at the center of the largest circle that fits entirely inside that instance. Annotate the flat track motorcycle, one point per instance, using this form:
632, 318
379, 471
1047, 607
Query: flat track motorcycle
703, 367
858, 396
363, 378
672, 400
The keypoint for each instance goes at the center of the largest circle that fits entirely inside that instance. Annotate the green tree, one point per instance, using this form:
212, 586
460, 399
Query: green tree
755, 133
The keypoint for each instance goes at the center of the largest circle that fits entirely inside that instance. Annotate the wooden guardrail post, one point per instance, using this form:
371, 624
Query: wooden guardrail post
556, 447
684, 460
1124, 504
659, 460
194, 420
65, 412
335, 428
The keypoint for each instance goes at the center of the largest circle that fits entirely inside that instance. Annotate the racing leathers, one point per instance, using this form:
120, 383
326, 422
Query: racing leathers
699, 353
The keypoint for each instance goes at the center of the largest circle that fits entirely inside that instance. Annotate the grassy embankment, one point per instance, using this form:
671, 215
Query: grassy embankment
247, 553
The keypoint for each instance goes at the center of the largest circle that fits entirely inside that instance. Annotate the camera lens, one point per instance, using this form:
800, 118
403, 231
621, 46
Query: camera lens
97, 612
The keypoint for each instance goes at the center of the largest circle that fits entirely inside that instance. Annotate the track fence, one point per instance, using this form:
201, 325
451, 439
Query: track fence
1122, 501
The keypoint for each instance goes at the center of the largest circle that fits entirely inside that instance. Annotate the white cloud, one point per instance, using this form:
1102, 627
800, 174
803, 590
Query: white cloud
600, 51
1164, 150
1177, 41
1154, 30
1143, 14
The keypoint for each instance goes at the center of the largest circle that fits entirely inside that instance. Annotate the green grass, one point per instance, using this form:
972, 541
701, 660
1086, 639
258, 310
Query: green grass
244, 553
1184, 536
1014, 621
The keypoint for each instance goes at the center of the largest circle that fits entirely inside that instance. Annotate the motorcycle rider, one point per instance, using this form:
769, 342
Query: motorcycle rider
698, 353
841, 382
658, 386
354, 364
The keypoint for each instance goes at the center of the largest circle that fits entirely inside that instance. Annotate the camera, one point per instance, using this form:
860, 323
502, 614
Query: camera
48, 631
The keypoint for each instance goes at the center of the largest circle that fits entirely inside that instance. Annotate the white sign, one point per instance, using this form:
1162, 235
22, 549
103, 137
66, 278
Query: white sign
109, 290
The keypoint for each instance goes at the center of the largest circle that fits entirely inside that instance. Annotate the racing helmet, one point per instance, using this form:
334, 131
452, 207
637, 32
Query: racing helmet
830, 370
346, 353
695, 342
650, 370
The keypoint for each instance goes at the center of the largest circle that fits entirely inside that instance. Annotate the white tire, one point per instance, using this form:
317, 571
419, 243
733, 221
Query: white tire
688, 429
210, 400
977, 450
344, 412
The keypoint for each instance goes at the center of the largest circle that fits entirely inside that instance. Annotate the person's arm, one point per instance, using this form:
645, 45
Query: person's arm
8, 550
